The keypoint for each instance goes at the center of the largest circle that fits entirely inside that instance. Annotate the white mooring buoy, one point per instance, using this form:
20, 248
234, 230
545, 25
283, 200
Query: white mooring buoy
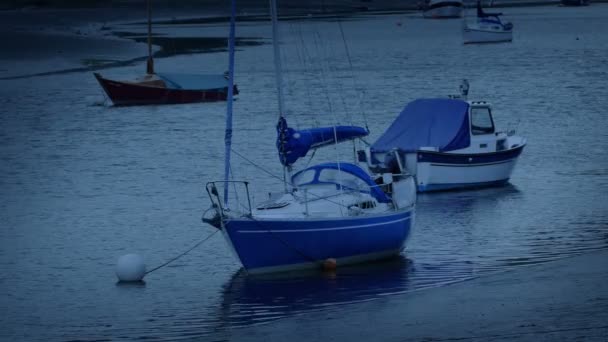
130, 268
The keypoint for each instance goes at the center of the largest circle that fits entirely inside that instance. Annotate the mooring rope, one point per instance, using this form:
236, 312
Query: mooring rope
184, 253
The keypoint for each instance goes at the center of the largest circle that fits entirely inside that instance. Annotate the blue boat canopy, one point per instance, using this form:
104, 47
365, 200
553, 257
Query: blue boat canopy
439, 123
293, 144
193, 81
352, 178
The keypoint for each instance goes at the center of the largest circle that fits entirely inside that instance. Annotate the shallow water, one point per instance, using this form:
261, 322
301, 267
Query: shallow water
83, 182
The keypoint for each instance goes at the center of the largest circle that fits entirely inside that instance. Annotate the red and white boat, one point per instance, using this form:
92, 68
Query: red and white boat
164, 88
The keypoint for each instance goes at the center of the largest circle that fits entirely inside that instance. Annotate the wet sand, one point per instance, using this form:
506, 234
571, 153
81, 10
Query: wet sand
56, 38
565, 300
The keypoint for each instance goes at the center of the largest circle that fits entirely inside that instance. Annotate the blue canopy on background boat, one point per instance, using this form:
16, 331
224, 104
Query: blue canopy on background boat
439, 123
293, 144
349, 168
193, 81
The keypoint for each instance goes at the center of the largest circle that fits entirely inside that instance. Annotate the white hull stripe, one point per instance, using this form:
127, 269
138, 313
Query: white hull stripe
474, 165
319, 229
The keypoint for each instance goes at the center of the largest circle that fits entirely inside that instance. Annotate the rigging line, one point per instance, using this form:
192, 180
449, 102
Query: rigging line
337, 77
300, 60
257, 166
323, 78
184, 253
335, 120
327, 72
300, 50
310, 73
311, 157
302, 254
327, 57
352, 74
324, 71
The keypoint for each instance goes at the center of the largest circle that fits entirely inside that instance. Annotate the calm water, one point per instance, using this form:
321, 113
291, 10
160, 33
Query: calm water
83, 183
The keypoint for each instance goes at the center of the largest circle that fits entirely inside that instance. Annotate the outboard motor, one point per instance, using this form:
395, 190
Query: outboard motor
464, 89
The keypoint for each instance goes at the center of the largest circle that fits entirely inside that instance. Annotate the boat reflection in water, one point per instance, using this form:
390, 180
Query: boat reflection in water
252, 299
255, 299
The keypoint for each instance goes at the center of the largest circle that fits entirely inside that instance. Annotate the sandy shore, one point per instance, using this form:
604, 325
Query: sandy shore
565, 300
57, 38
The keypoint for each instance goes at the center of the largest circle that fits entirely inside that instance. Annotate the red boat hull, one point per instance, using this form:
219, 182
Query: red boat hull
126, 94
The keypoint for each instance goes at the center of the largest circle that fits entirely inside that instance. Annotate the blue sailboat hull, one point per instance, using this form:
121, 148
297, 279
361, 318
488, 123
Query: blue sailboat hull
282, 245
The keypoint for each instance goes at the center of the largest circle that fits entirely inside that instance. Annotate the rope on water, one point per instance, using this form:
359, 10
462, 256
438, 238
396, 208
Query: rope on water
184, 253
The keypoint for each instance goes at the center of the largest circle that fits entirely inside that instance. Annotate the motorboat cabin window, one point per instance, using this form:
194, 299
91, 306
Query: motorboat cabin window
481, 121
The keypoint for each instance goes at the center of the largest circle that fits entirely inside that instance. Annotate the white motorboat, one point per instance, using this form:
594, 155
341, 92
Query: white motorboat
447, 143
488, 28
436, 9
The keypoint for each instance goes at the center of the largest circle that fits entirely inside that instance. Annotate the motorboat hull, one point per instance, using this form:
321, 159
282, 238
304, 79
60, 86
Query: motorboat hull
575, 2
473, 35
276, 245
126, 93
436, 171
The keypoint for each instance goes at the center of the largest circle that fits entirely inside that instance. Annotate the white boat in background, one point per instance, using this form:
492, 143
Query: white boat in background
447, 143
436, 9
488, 28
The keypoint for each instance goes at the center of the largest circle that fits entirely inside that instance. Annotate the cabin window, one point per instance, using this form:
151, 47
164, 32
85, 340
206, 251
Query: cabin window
481, 121
344, 179
304, 177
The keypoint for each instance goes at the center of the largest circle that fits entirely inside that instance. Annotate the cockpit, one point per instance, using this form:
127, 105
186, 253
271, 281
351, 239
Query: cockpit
330, 177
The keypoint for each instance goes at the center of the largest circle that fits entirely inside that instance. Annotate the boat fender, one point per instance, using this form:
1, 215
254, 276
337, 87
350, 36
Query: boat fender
329, 264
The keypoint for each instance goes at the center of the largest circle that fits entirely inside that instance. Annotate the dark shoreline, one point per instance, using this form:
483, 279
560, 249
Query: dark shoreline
292, 7
77, 35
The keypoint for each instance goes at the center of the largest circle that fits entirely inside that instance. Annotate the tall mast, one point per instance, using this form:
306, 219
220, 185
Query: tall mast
278, 68
277, 54
228, 134
150, 62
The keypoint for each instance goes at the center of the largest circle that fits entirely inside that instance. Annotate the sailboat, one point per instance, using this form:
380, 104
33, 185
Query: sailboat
164, 88
330, 212
488, 28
